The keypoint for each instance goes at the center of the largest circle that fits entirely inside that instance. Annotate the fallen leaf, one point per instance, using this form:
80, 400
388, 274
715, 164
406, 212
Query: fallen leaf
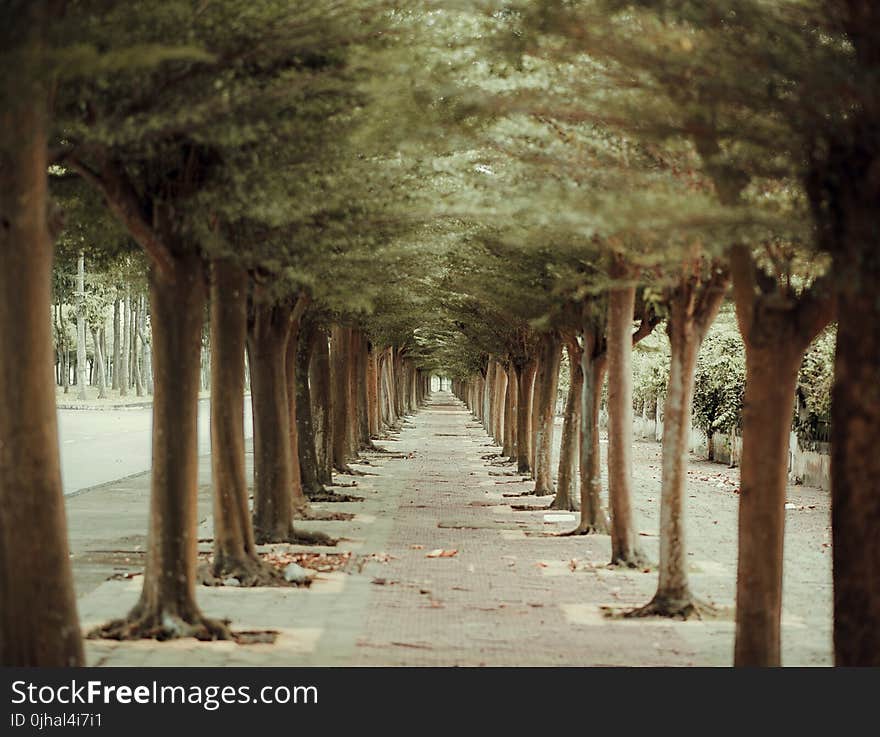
440, 553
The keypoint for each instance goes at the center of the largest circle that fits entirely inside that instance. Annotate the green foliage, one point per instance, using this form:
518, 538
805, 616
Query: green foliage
651, 369
720, 380
816, 375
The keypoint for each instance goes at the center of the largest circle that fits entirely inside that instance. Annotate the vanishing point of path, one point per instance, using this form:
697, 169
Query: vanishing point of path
511, 594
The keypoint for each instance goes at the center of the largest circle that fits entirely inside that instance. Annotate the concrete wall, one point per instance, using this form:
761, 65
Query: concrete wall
804, 466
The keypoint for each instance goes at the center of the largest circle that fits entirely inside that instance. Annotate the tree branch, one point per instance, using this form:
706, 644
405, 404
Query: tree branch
816, 308
123, 203
742, 269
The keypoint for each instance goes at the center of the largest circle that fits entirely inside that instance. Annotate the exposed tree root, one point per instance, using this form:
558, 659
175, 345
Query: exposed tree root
514, 496
585, 530
323, 495
345, 484
636, 559
305, 537
373, 448
564, 503
162, 625
348, 470
683, 608
247, 571
529, 508
320, 515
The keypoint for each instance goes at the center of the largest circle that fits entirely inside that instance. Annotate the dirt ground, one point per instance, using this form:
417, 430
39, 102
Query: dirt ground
445, 572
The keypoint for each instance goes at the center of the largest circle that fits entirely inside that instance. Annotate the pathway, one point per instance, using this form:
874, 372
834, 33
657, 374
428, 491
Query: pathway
510, 595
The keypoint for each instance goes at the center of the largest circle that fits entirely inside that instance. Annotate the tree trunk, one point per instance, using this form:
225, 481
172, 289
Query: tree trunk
771, 376
776, 335
844, 189
545, 405
855, 469
147, 373
167, 607
693, 306
100, 380
594, 520
126, 342
65, 352
498, 409
352, 400
373, 414
362, 391
38, 620
117, 342
658, 420
273, 481
235, 553
569, 446
526, 380
625, 550
300, 503
81, 326
508, 449
308, 458
339, 379
135, 347
320, 378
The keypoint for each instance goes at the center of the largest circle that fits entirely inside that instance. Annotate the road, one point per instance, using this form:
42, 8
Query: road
98, 446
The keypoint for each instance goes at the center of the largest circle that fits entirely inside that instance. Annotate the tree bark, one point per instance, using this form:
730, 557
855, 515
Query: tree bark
593, 516
235, 553
693, 306
81, 326
545, 406
498, 409
308, 458
508, 449
147, 373
167, 607
568, 448
273, 481
136, 348
526, 380
117, 342
855, 469
300, 502
339, 379
373, 414
320, 378
625, 550
126, 342
38, 620
776, 334
100, 379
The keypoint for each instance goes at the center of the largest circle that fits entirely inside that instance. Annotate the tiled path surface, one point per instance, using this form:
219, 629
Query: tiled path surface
511, 595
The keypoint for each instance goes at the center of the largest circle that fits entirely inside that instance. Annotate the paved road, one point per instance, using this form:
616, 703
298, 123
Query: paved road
440, 489
98, 446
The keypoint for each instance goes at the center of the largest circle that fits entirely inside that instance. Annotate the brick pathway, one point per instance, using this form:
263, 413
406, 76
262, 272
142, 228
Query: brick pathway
511, 595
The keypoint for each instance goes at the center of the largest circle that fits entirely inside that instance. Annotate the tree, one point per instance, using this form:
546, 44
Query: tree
149, 140
38, 620
719, 386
